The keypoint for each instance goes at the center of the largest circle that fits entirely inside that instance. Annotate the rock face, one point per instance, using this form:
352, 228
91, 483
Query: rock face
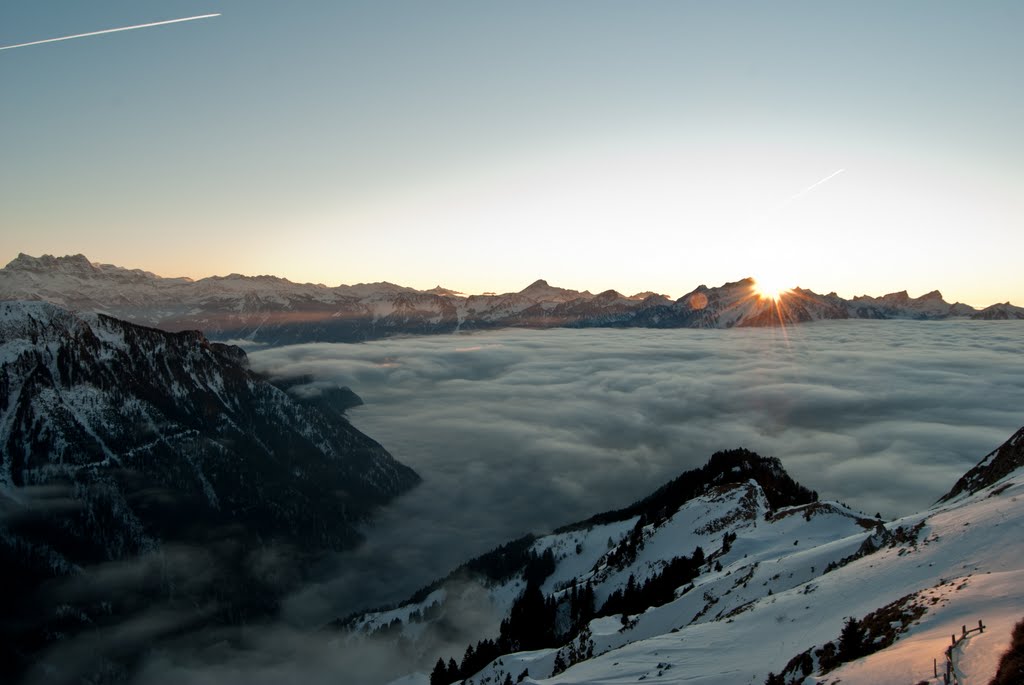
276, 311
93, 401
998, 464
120, 442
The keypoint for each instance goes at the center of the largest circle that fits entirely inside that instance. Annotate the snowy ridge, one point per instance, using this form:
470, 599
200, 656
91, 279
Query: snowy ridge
273, 310
773, 595
82, 397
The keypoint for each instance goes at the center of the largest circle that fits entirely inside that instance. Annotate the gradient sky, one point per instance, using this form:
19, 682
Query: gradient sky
629, 145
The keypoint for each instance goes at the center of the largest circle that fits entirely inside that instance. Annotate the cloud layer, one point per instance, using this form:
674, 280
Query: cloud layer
521, 431
517, 431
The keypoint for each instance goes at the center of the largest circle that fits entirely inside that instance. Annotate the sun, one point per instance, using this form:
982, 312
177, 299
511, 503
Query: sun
770, 288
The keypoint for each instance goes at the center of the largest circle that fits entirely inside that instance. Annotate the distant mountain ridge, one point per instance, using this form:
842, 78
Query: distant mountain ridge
276, 311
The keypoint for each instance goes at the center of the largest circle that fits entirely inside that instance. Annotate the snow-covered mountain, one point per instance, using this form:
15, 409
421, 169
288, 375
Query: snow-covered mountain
119, 441
1000, 312
735, 574
901, 305
276, 311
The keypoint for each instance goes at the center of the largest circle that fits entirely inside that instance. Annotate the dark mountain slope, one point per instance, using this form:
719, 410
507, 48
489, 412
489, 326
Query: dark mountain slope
122, 445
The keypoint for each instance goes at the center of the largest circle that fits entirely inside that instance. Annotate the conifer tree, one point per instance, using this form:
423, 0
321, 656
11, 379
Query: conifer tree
440, 673
851, 640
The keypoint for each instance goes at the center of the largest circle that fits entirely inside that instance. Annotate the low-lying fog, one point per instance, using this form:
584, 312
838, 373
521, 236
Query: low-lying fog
519, 430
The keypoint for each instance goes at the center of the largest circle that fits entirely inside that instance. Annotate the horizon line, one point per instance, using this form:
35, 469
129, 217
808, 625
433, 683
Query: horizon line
485, 293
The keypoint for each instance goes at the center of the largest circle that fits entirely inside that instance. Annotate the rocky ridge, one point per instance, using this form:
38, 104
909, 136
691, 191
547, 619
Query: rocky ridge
275, 311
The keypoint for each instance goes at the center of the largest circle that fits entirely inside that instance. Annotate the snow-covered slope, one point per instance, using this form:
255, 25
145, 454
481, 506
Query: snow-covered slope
775, 591
276, 311
963, 565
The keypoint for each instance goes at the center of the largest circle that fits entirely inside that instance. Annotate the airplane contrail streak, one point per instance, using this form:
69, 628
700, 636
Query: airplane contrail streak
815, 185
97, 33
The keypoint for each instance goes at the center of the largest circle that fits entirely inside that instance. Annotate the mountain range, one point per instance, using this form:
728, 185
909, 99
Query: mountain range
734, 573
275, 311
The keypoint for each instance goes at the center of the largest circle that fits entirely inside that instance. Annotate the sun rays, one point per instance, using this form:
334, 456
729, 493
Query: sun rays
770, 288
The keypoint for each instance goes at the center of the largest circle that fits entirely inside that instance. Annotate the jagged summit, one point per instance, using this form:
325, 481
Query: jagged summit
646, 294
46, 261
440, 290
609, 296
749, 280
77, 265
728, 466
902, 297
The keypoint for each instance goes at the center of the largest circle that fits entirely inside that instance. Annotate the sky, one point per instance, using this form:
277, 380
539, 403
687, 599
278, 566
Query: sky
480, 146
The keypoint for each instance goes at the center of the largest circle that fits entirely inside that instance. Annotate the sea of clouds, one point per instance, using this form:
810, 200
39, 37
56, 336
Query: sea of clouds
519, 431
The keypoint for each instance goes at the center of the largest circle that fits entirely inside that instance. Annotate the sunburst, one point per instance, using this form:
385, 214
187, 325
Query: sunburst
770, 288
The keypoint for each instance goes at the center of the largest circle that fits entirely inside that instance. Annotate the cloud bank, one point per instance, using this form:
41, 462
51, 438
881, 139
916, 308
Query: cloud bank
520, 431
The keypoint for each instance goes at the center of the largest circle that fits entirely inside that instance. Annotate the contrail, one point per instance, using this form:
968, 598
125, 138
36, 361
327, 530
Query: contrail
97, 33
815, 185
791, 199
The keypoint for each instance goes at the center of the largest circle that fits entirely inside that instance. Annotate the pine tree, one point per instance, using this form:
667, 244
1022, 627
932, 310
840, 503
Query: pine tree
439, 675
851, 640
467, 660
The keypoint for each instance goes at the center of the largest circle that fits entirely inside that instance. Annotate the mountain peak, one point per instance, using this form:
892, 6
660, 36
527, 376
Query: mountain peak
901, 296
25, 262
536, 285
747, 282
541, 290
442, 291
